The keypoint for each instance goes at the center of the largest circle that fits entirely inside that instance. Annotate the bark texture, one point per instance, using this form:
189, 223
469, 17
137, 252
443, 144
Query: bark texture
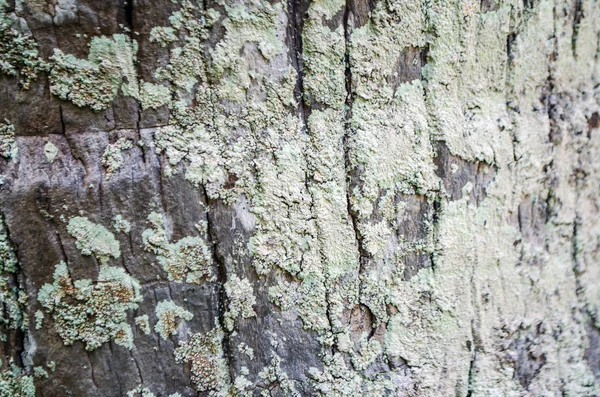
300, 198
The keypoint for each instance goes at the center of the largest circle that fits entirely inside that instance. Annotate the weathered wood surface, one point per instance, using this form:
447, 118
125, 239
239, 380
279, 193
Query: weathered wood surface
252, 197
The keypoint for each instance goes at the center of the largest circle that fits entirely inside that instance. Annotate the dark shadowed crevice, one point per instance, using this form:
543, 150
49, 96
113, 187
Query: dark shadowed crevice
137, 366
128, 7
512, 108
528, 5
473, 345
125, 15
471, 374
221, 280
554, 111
93, 376
435, 221
578, 267
62, 119
14, 343
297, 10
351, 174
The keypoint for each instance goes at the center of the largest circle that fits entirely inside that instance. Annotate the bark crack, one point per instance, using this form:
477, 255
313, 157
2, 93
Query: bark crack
221, 279
294, 34
348, 131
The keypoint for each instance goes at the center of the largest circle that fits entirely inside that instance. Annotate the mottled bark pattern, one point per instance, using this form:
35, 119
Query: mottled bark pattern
298, 198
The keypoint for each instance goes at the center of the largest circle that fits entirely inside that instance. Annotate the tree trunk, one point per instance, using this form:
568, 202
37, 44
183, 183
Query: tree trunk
324, 198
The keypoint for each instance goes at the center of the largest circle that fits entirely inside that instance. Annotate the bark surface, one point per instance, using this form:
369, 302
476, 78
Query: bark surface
300, 198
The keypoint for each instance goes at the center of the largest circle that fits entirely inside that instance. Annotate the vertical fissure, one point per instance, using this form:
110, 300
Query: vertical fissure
16, 333
62, 120
221, 280
295, 24
577, 17
348, 104
128, 8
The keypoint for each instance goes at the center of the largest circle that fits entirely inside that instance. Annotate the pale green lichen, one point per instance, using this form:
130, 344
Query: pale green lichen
162, 35
140, 391
267, 163
121, 224
13, 383
112, 158
14, 300
8, 257
8, 146
204, 354
273, 374
93, 239
339, 379
153, 96
189, 259
324, 50
242, 387
240, 298
186, 63
143, 322
124, 336
247, 350
18, 49
39, 319
184, 144
12, 297
40, 372
95, 82
306, 298
170, 317
91, 312
50, 151
245, 23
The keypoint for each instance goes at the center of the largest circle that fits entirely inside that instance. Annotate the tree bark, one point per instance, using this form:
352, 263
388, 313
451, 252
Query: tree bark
324, 198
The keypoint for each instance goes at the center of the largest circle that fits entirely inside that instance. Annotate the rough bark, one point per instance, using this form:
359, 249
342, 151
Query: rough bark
255, 197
